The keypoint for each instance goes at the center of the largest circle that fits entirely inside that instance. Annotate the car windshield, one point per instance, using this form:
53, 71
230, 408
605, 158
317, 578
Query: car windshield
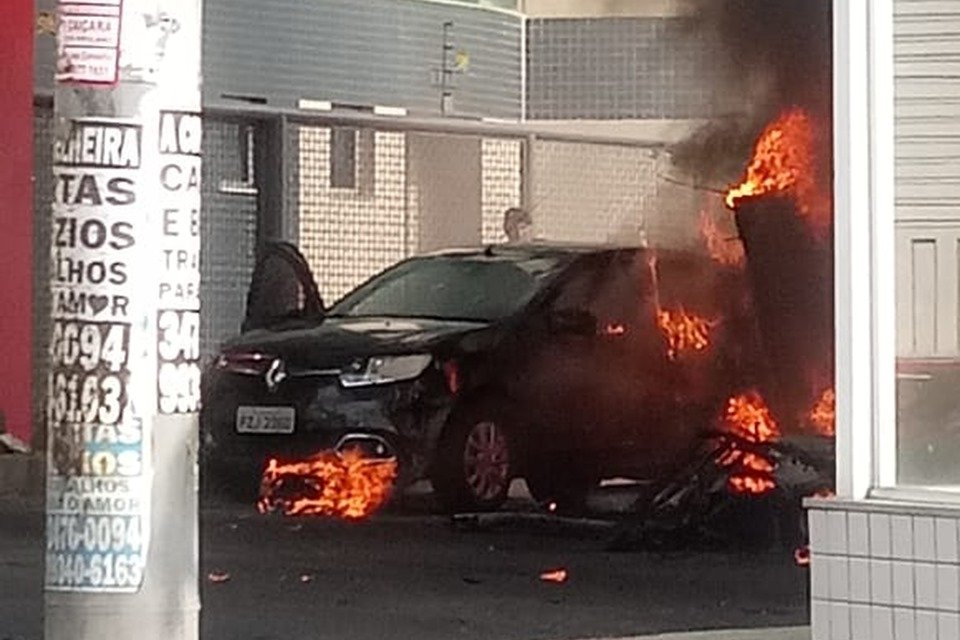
473, 288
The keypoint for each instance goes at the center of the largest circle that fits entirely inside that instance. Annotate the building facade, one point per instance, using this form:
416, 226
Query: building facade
340, 192
367, 132
885, 550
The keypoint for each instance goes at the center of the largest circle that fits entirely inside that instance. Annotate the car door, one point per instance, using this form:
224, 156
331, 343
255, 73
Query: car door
579, 385
627, 371
644, 386
282, 290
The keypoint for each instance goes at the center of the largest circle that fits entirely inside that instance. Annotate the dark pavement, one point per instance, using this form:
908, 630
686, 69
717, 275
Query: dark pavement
417, 576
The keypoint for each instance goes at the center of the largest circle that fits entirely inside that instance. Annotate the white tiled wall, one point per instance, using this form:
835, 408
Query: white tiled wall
884, 575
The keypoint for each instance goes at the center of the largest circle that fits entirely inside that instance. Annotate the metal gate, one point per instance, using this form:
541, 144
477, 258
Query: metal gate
357, 194
367, 194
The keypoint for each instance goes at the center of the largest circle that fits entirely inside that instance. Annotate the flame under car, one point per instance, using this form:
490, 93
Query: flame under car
473, 367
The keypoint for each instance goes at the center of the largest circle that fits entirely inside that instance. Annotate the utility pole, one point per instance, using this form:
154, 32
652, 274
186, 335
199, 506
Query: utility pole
446, 73
123, 393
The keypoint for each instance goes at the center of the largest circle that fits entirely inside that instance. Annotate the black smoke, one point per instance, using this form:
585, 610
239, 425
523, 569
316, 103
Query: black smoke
769, 55
789, 41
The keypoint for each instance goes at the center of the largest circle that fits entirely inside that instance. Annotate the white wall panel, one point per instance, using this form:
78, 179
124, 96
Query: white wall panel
927, 53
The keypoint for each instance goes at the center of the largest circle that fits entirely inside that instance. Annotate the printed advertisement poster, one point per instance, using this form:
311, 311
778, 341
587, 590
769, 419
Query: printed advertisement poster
98, 481
178, 318
88, 41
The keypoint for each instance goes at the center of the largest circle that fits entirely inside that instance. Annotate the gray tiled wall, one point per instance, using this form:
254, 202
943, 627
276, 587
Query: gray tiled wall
613, 68
885, 575
374, 52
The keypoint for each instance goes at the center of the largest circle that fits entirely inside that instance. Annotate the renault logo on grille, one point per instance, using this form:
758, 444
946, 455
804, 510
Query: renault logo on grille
275, 375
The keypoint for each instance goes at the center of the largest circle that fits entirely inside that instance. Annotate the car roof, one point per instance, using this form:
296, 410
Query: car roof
531, 250
561, 250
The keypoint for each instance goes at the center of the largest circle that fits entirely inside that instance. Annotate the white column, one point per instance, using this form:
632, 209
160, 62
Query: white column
122, 543
864, 215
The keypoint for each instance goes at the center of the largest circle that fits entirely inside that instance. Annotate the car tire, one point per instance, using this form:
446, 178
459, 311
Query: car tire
473, 468
562, 488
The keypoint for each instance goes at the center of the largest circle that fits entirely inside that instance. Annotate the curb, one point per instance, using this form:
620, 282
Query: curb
21, 474
772, 633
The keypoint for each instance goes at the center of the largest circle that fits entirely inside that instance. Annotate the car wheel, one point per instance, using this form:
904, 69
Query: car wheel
564, 488
473, 468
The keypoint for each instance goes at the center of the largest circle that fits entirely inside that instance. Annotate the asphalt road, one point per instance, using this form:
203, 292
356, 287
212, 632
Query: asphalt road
415, 575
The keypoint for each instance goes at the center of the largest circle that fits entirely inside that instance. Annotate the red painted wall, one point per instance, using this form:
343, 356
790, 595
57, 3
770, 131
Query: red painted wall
16, 214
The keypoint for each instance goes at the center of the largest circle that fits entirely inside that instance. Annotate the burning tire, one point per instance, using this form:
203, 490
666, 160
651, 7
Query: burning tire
474, 465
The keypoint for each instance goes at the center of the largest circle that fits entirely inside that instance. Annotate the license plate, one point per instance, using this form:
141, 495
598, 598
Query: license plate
265, 419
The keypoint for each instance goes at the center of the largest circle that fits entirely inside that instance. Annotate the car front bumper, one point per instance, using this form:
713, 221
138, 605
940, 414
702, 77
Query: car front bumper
407, 416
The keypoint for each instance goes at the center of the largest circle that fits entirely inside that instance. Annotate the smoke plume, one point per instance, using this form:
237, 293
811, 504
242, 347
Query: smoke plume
771, 54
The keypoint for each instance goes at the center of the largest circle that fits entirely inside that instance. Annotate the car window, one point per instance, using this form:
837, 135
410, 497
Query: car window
476, 288
281, 288
616, 292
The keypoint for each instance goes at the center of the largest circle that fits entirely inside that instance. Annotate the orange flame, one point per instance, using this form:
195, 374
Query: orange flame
748, 417
784, 162
824, 414
725, 250
614, 329
345, 485
557, 576
683, 331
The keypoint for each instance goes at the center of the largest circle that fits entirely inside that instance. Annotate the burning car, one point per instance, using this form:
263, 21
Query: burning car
560, 364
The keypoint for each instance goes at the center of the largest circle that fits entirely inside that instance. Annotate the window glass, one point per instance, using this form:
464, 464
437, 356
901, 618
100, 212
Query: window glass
927, 237
343, 158
928, 363
615, 292
456, 287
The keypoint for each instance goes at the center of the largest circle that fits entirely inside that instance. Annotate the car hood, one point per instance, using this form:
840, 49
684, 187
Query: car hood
338, 341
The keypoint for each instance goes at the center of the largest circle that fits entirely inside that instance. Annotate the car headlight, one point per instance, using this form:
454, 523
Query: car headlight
385, 369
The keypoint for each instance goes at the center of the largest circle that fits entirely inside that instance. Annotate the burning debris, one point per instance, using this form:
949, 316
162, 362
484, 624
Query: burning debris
684, 332
556, 576
784, 163
754, 463
345, 485
823, 415
742, 486
748, 418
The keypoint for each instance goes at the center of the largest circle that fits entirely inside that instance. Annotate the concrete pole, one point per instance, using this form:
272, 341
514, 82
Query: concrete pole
122, 548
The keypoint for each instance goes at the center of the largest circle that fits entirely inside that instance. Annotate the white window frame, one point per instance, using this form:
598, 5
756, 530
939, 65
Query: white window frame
865, 259
246, 184
864, 208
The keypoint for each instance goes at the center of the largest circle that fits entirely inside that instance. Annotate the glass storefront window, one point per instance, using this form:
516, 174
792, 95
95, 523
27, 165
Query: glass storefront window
927, 237
928, 422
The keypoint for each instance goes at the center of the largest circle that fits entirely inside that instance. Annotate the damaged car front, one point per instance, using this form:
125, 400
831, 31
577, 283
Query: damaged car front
380, 371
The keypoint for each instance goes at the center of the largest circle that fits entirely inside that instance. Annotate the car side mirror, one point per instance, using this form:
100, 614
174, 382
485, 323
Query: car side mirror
579, 322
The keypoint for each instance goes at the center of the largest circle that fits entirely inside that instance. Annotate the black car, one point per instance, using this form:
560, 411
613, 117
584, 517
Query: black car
476, 366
